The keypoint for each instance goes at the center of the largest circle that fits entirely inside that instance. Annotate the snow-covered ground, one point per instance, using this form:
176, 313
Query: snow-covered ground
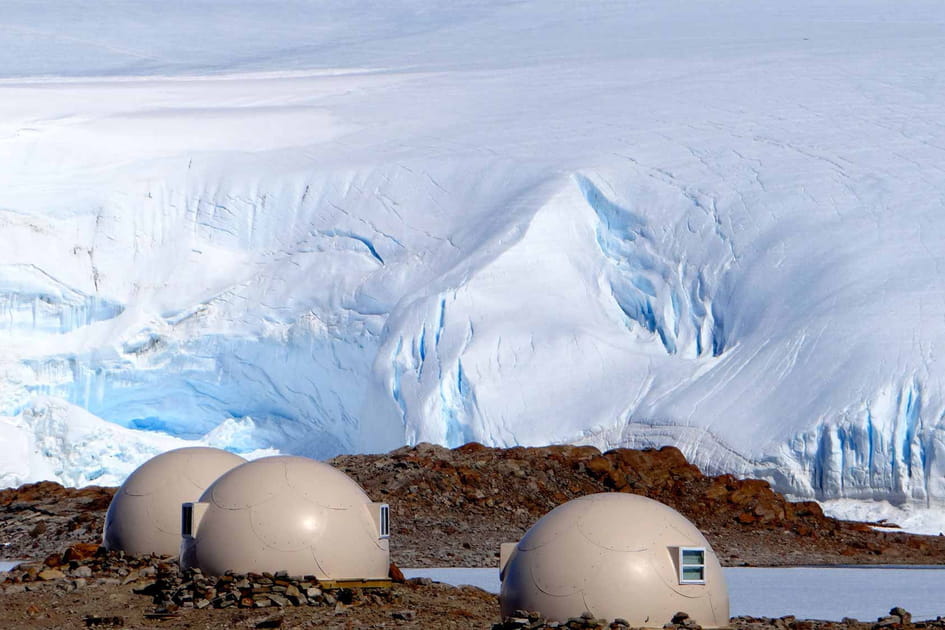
864, 593
326, 228
909, 517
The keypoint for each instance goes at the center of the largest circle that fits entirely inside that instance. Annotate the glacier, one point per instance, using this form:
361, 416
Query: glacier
319, 228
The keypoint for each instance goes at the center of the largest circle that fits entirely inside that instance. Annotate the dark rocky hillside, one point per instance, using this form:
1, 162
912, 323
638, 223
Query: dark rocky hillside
454, 507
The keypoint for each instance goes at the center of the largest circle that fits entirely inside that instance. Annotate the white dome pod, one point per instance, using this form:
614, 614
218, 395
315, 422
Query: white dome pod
287, 513
614, 555
144, 515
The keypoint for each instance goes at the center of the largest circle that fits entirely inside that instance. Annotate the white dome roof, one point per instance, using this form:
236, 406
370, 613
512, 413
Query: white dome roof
615, 555
144, 515
287, 513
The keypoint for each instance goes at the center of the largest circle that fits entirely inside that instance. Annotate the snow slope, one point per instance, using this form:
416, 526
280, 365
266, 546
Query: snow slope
713, 225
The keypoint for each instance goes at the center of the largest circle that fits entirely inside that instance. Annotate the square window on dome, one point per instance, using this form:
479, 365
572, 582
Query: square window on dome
692, 565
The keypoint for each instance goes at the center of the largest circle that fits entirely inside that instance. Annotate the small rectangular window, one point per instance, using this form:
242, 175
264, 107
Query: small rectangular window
692, 565
384, 521
187, 519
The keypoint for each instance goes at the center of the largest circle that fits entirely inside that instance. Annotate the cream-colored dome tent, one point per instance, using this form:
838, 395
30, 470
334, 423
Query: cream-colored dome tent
144, 515
287, 513
614, 555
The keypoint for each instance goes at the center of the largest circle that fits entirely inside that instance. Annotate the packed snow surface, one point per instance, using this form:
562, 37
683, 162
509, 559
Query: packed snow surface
346, 228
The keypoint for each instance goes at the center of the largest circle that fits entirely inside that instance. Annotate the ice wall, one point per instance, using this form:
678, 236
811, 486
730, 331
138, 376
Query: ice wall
517, 223
32, 301
603, 311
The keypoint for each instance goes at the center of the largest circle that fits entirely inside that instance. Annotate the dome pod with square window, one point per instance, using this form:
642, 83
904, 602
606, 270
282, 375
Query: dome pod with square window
287, 514
144, 515
614, 555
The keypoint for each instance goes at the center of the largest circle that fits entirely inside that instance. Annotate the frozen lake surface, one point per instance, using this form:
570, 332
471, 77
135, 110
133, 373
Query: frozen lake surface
864, 593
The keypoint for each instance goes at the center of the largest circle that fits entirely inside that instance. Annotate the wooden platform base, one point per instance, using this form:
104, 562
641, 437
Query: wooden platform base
379, 583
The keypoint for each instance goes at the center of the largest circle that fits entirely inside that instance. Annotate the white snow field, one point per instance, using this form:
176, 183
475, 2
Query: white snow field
337, 227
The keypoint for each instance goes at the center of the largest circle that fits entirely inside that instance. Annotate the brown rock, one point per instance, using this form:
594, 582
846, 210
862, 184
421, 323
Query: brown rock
808, 508
404, 615
51, 574
80, 552
768, 510
599, 466
904, 615
680, 618
471, 447
750, 491
718, 490
54, 560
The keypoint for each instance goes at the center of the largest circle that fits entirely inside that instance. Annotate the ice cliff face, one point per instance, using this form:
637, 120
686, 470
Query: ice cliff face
720, 229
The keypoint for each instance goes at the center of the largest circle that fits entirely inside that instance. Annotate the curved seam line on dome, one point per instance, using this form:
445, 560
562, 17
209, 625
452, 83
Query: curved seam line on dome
285, 471
244, 506
597, 544
688, 535
575, 589
673, 584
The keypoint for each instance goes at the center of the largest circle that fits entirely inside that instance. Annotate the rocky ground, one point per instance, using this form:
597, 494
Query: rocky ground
454, 507
110, 592
449, 508
471, 499
38, 519
86, 587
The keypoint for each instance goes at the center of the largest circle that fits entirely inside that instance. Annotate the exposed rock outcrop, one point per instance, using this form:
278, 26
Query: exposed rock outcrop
454, 507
